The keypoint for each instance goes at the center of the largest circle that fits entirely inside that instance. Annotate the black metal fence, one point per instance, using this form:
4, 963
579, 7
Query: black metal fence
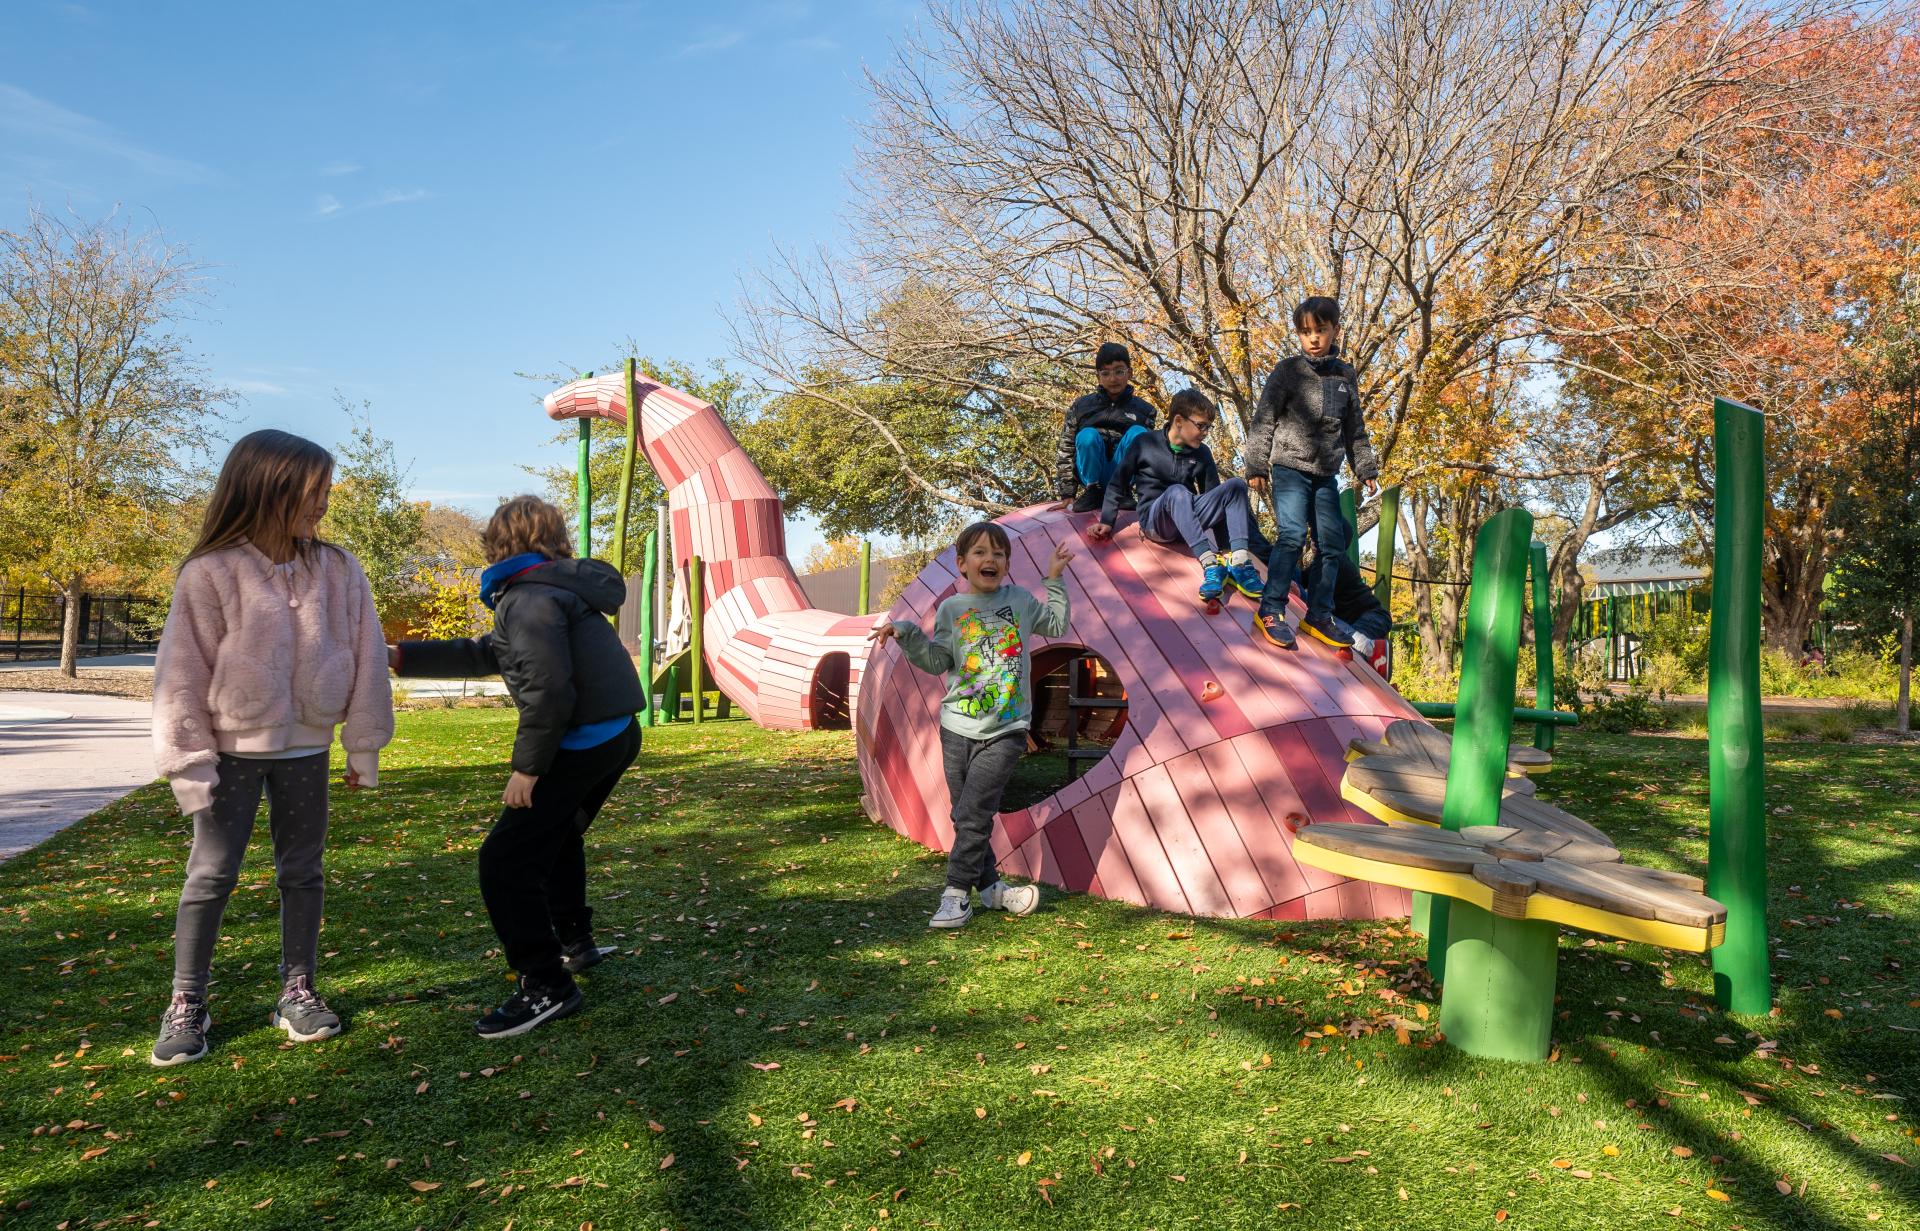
30, 624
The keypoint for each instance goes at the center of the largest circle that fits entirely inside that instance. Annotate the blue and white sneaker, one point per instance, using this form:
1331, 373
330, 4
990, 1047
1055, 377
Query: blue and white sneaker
1212, 582
1274, 629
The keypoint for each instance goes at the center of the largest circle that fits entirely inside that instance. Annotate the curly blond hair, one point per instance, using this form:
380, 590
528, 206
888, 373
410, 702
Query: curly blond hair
526, 523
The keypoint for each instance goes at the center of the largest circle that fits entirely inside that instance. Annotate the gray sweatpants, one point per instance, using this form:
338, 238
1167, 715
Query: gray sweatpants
977, 774
297, 814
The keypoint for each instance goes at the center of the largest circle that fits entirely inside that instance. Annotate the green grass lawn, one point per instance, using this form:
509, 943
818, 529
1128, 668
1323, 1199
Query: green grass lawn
785, 1044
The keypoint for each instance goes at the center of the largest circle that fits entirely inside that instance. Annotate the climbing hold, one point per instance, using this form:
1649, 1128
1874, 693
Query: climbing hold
1212, 691
1345, 656
1295, 821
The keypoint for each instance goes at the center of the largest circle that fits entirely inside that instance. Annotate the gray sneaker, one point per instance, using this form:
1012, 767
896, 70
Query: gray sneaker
183, 1031
302, 1014
955, 909
1014, 899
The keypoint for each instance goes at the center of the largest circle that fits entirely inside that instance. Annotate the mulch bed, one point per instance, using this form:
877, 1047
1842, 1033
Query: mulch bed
99, 681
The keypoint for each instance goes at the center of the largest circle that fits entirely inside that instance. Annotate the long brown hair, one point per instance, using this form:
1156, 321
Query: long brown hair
266, 480
526, 523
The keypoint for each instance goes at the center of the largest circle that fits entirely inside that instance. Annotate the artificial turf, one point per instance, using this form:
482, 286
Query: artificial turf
784, 1044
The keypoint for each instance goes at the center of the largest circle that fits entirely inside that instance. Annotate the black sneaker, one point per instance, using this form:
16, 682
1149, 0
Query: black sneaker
578, 955
1273, 629
529, 1006
302, 1014
1326, 631
183, 1032
1090, 498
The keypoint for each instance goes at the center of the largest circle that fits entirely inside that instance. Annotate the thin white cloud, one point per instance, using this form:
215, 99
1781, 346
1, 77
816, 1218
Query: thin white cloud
34, 118
818, 42
341, 168
327, 206
708, 46
257, 388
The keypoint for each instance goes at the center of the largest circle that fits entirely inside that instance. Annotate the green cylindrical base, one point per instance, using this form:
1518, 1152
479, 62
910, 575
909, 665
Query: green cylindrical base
1422, 917
1500, 975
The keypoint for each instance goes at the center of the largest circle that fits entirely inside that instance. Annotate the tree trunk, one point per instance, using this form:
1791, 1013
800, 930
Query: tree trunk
1903, 707
70, 629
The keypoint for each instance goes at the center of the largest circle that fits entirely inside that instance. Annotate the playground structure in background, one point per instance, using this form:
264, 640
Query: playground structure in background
1231, 762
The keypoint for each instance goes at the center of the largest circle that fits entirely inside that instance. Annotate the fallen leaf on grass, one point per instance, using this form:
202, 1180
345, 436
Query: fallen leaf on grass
1499, 1216
1717, 1195
422, 1186
572, 1181
1895, 1158
667, 1161
1682, 1152
1026, 1156
1562, 1163
1783, 1188
754, 1120
96, 1152
669, 998
769, 1067
656, 1126
1610, 1151
479, 1183
421, 1088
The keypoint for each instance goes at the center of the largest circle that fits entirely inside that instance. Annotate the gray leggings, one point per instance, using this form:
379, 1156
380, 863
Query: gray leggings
297, 813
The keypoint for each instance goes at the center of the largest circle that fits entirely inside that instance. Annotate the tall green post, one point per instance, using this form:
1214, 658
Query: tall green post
583, 486
1736, 757
1350, 509
646, 629
1385, 545
627, 459
1542, 643
697, 615
663, 617
866, 575
1498, 972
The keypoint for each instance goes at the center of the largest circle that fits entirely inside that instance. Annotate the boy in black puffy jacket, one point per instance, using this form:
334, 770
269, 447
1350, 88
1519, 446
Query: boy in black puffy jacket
1099, 429
577, 693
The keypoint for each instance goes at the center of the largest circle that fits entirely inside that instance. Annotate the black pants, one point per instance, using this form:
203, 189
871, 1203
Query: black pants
533, 866
977, 774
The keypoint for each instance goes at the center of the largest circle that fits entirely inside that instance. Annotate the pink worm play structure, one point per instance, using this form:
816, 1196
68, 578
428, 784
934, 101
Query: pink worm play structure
789, 665
1228, 745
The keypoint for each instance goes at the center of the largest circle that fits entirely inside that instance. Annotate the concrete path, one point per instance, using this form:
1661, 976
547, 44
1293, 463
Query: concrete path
64, 755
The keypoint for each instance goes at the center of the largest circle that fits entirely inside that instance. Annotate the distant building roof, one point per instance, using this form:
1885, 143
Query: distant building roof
1640, 570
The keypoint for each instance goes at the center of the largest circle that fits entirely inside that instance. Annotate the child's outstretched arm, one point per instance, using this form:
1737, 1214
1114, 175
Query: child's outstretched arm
933, 655
454, 658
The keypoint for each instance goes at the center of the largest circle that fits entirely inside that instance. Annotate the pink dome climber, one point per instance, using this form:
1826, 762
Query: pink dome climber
1227, 748
789, 665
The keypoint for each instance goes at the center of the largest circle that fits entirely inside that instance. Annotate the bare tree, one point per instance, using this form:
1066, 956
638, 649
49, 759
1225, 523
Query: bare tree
114, 405
1042, 175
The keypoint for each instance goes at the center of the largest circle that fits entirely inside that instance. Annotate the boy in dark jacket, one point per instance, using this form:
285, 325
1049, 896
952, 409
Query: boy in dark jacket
1307, 421
577, 693
1174, 480
1099, 428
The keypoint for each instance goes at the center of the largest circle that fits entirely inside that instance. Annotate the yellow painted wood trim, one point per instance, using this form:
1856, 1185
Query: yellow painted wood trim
1462, 885
1379, 811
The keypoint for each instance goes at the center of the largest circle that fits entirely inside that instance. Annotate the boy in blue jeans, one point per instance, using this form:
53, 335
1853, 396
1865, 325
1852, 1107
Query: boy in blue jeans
1307, 421
1181, 498
1100, 427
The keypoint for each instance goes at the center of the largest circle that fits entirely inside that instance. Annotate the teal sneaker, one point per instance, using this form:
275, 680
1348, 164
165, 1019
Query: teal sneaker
1212, 582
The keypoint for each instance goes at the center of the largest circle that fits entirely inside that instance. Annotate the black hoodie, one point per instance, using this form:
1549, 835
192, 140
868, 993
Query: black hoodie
554, 646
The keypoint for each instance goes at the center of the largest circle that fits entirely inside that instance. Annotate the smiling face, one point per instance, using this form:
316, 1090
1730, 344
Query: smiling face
1114, 377
1188, 432
983, 565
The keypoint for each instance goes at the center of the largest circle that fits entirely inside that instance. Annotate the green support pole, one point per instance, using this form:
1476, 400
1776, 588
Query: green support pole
626, 477
583, 488
1350, 509
646, 628
1385, 546
1736, 759
1542, 644
697, 613
1499, 972
866, 575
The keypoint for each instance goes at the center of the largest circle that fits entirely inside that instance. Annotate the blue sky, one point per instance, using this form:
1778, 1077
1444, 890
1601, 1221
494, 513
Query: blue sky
409, 203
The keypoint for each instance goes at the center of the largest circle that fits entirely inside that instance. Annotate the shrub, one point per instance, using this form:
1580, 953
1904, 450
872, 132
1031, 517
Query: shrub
1631, 711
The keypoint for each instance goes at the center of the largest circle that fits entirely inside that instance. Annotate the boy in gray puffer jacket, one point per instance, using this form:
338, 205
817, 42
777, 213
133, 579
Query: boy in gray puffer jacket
1307, 421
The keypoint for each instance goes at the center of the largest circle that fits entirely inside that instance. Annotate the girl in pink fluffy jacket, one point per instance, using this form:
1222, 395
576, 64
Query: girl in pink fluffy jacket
271, 643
